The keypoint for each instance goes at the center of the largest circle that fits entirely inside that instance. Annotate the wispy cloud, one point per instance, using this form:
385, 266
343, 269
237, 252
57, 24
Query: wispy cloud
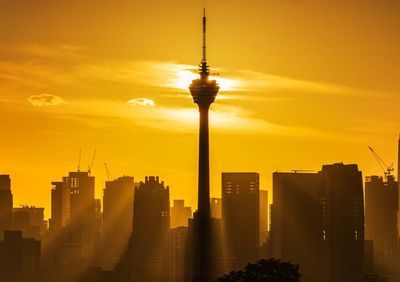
141, 102
45, 100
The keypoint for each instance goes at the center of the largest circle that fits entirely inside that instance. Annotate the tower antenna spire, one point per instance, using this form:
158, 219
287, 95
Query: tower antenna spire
204, 69
204, 37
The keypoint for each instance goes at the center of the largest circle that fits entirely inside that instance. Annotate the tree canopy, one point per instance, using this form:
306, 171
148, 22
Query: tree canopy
270, 270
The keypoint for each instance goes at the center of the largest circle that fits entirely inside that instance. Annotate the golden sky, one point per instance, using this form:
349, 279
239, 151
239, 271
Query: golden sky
304, 83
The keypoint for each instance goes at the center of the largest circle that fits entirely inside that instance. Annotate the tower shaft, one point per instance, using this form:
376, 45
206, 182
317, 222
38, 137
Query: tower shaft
204, 167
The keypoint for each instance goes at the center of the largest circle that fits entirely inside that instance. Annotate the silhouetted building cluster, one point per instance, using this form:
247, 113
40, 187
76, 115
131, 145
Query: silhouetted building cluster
317, 221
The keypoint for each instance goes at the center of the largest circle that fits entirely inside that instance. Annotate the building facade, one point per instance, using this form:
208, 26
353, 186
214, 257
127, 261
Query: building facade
151, 221
241, 225
317, 221
6, 204
117, 219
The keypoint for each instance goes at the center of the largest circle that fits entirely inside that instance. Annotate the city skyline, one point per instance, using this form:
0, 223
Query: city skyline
112, 74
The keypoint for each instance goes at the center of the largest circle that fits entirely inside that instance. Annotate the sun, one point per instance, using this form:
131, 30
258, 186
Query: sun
183, 78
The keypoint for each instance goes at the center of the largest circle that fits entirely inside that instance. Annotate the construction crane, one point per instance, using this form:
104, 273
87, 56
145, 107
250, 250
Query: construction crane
387, 170
91, 164
108, 172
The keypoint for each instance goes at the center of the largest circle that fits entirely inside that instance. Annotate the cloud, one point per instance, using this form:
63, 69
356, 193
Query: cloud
141, 102
45, 100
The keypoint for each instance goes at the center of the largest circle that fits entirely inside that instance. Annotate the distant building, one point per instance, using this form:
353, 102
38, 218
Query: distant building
180, 214
82, 201
381, 209
216, 207
240, 217
6, 204
318, 222
18, 255
177, 241
29, 220
117, 219
151, 221
217, 258
60, 206
263, 216
398, 160
76, 223
343, 219
296, 222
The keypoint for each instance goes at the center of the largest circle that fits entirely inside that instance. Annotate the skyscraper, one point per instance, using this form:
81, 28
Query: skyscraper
240, 225
398, 160
6, 204
263, 216
343, 221
150, 231
318, 222
203, 91
82, 201
381, 211
296, 222
60, 206
177, 253
19, 257
117, 219
76, 222
84, 217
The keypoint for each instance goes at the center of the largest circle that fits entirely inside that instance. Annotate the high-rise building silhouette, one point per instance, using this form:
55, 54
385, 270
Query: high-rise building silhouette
216, 207
117, 219
29, 220
263, 217
180, 214
82, 201
318, 222
85, 220
60, 206
343, 222
381, 212
296, 222
6, 204
398, 160
204, 91
19, 257
150, 231
241, 225
177, 241
76, 223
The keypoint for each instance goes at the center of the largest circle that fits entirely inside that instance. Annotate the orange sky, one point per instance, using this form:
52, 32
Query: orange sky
304, 83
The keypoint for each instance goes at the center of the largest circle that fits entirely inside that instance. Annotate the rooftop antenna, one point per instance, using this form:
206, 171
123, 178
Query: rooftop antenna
79, 160
204, 69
